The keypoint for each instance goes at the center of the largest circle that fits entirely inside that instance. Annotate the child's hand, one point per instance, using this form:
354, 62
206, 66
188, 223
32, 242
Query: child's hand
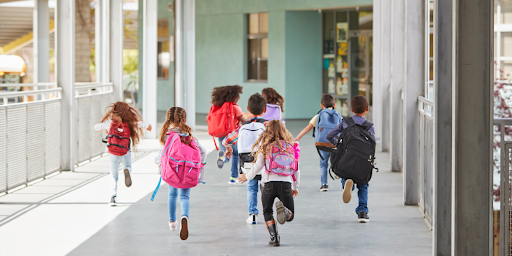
229, 152
149, 128
242, 178
297, 139
294, 192
248, 116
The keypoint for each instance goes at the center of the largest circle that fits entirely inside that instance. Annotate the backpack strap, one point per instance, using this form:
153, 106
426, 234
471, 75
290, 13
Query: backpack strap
156, 189
350, 121
367, 124
256, 120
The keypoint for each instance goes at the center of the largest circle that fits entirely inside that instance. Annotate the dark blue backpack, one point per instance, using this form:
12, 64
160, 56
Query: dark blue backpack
327, 120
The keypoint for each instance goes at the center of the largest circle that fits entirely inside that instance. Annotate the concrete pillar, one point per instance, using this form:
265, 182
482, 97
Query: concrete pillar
443, 77
116, 48
41, 41
385, 71
377, 82
397, 84
83, 41
414, 87
149, 64
65, 77
472, 127
185, 58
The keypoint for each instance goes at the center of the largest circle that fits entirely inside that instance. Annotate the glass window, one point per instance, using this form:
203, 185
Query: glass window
257, 46
164, 56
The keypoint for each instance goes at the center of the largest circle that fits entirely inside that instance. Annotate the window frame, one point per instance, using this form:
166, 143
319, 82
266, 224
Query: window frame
161, 40
259, 37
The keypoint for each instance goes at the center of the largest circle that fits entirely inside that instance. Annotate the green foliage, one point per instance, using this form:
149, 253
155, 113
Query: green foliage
130, 60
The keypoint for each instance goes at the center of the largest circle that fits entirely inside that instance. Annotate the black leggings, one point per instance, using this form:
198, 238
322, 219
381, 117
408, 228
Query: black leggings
281, 190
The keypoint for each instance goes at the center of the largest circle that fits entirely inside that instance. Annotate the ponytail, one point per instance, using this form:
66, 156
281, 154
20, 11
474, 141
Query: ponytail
176, 116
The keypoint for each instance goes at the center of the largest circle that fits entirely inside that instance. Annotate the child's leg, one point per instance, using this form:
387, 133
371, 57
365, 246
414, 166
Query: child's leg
171, 203
115, 161
267, 200
185, 201
127, 161
234, 164
252, 196
362, 194
223, 148
324, 166
286, 197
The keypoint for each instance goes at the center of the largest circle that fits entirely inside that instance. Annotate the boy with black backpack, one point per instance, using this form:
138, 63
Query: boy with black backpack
353, 161
243, 138
322, 123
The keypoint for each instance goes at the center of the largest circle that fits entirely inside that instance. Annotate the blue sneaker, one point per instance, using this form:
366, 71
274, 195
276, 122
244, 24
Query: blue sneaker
220, 161
232, 181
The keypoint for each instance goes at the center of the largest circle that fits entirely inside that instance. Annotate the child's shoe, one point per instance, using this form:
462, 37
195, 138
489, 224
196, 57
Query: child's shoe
347, 191
252, 219
220, 161
232, 181
283, 214
112, 201
184, 228
362, 217
324, 188
127, 178
173, 225
272, 230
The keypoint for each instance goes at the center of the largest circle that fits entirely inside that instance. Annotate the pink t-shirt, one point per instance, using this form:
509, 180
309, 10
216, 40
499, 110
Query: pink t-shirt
238, 113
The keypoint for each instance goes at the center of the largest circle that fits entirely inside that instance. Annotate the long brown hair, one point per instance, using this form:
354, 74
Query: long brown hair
176, 117
273, 97
121, 112
273, 134
229, 93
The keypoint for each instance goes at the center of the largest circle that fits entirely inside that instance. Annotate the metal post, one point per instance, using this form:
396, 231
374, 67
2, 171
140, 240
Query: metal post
385, 71
98, 34
41, 39
443, 51
414, 75
377, 83
65, 76
116, 48
105, 41
472, 127
397, 83
149, 63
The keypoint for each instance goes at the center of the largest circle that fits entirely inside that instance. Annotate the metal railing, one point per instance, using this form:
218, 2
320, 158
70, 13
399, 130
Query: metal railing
30, 135
426, 156
91, 99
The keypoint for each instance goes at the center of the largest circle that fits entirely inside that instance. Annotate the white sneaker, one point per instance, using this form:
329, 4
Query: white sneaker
173, 225
253, 219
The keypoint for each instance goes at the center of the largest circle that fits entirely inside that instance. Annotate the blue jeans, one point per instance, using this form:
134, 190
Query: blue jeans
234, 164
252, 196
324, 166
184, 202
115, 161
362, 194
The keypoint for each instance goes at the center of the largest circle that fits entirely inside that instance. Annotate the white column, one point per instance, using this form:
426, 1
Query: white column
41, 41
65, 76
98, 33
185, 58
414, 87
116, 48
377, 82
472, 127
397, 84
385, 71
443, 77
149, 64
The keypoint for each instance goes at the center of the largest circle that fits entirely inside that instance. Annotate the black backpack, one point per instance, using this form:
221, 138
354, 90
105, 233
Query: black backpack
354, 157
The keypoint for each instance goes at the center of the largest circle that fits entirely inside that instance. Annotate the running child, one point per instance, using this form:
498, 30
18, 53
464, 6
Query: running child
275, 104
224, 117
278, 155
322, 123
243, 138
124, 126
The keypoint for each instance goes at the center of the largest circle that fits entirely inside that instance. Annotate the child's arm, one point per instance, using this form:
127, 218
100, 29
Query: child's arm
144, 125
242, 119
304, 131
255, 169
102, 126
337, 130
202, 151
295, 183
229, 141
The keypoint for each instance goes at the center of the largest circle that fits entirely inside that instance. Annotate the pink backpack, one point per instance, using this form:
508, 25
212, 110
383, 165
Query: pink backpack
180, 163
283, 162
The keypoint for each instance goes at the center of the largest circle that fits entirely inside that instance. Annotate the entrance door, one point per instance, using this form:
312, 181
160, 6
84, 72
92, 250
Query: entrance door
361, 46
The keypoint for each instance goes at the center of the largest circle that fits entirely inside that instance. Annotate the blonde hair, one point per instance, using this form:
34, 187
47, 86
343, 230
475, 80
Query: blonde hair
177, 117
274, 133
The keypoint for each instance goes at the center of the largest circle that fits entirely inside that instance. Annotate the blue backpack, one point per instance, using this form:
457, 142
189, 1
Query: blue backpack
327, 120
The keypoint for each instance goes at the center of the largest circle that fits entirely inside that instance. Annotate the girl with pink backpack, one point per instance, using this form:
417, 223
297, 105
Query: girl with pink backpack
275, 104
181, 164
277, 160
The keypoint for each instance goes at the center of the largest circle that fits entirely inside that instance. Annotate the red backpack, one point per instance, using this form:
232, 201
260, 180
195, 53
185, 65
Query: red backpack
221, 120
118, 139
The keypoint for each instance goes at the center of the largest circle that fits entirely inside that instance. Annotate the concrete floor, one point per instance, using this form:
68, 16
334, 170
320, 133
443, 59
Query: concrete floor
80, 223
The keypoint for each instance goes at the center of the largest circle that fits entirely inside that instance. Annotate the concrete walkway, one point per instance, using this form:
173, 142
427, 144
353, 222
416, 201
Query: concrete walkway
68, 214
